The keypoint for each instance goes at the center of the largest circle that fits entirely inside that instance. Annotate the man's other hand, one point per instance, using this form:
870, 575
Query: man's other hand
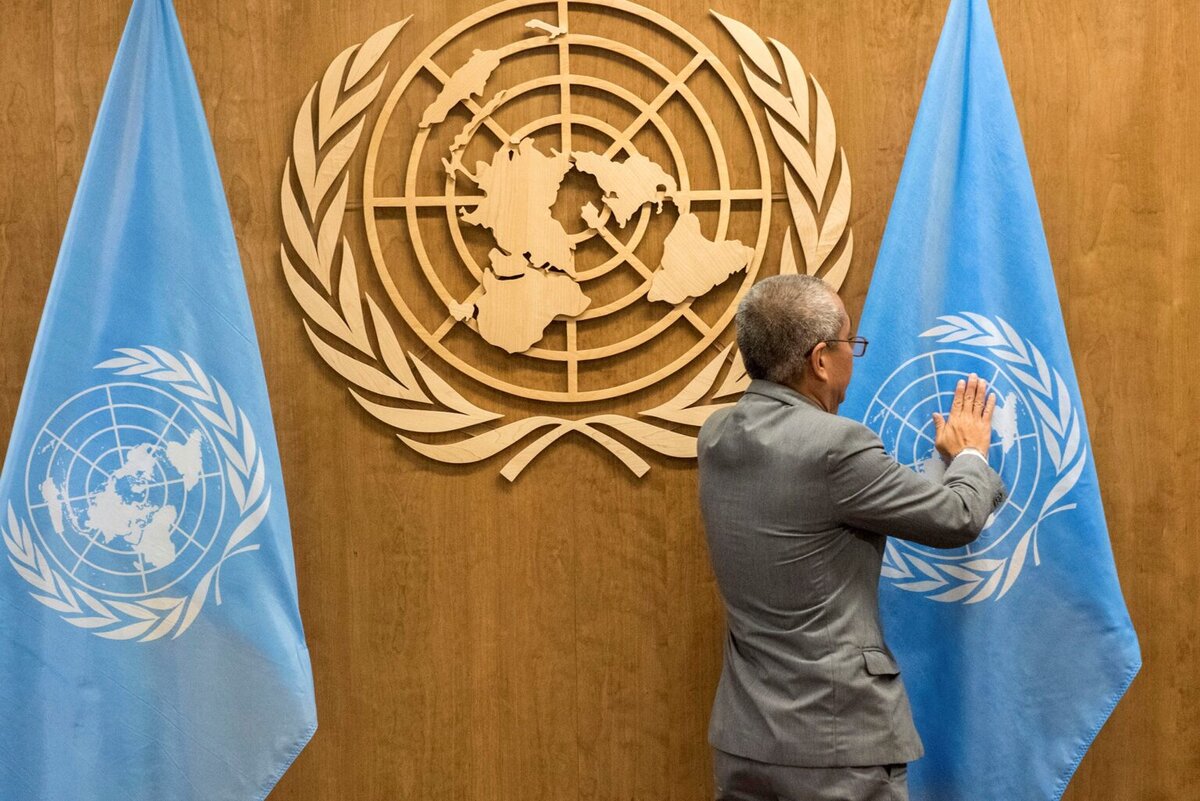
970, 423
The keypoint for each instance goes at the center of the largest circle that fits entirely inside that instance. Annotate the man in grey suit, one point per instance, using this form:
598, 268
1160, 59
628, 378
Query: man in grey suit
797, 506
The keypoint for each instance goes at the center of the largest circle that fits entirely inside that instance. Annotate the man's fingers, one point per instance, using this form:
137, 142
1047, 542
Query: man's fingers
980, 394
989, 408
959, 389
971, 390
939, 423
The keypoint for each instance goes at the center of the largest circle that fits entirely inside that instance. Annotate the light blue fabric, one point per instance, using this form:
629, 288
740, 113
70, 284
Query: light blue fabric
142, 459
1016, 649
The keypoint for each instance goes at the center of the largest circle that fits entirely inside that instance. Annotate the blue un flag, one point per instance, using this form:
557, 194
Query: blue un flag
1016, 648
150, 642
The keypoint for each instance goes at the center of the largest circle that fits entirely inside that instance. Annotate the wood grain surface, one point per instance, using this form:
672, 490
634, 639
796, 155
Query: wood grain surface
559, 637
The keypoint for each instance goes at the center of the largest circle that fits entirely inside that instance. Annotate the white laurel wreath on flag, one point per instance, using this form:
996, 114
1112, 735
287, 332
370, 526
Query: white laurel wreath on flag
148, 619
1061, 427
313, 196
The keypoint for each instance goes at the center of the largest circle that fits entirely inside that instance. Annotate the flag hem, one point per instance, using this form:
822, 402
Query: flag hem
289, 760
1091, 737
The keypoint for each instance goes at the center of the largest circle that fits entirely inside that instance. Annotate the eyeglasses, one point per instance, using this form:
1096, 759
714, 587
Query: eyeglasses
858, 345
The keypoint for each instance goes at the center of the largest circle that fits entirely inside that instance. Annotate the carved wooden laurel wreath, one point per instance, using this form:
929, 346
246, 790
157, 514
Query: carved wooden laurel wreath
398, 387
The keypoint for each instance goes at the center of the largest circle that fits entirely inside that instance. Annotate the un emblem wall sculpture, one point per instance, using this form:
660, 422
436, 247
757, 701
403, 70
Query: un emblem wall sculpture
540, 226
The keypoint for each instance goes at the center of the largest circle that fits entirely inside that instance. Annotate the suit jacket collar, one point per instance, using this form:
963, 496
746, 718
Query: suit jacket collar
769, 389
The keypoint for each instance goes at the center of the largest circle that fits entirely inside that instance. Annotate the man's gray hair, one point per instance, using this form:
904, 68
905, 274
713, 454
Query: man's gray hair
780, 320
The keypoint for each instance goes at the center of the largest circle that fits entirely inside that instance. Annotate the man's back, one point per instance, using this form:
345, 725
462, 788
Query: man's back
796, 503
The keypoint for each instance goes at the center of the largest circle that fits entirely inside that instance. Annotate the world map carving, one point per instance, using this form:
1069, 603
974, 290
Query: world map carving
531, 277
534, 266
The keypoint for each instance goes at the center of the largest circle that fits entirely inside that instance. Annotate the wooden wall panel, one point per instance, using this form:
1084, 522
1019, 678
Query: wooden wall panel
28, 221
560, 637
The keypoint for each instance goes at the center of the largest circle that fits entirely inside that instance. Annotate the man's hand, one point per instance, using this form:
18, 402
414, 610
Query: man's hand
970, 423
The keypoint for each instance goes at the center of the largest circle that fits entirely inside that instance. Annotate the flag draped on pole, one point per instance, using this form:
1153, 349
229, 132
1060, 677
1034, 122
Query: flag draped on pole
1016, 648
150, 641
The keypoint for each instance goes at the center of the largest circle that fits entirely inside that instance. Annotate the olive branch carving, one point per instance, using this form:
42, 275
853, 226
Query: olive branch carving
1061, 427
148, 619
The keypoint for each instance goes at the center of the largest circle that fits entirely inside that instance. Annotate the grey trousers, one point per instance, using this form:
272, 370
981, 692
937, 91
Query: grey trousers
741, 779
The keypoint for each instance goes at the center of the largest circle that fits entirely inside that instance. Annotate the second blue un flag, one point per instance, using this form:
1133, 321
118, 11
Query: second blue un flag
1016, 648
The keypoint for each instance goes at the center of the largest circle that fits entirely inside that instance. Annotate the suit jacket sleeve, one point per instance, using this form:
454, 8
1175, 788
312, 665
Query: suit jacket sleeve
870, 490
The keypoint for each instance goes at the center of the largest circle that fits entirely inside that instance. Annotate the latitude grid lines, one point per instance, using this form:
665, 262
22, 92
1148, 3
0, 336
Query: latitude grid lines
677, 83
624, 140
674, 82
167, 427
59, 440
933, 364
1015, 439
940, 392
937, 372
116, 428
926, 437
166, 483
120, 453
904, 422
140, 563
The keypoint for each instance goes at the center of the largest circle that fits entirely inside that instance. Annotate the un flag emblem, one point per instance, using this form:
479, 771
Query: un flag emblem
136, 492
125, 489
1036, 449
901, 413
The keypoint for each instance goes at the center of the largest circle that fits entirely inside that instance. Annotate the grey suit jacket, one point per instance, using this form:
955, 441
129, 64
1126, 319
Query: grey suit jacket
797, 506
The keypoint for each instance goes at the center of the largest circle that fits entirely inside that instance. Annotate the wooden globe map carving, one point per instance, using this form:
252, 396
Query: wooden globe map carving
530, 281
563, 202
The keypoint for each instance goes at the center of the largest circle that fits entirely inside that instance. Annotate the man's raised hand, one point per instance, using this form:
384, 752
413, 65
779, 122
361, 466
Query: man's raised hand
970, 423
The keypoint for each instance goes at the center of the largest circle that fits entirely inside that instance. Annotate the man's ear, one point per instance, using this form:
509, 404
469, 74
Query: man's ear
816, 361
